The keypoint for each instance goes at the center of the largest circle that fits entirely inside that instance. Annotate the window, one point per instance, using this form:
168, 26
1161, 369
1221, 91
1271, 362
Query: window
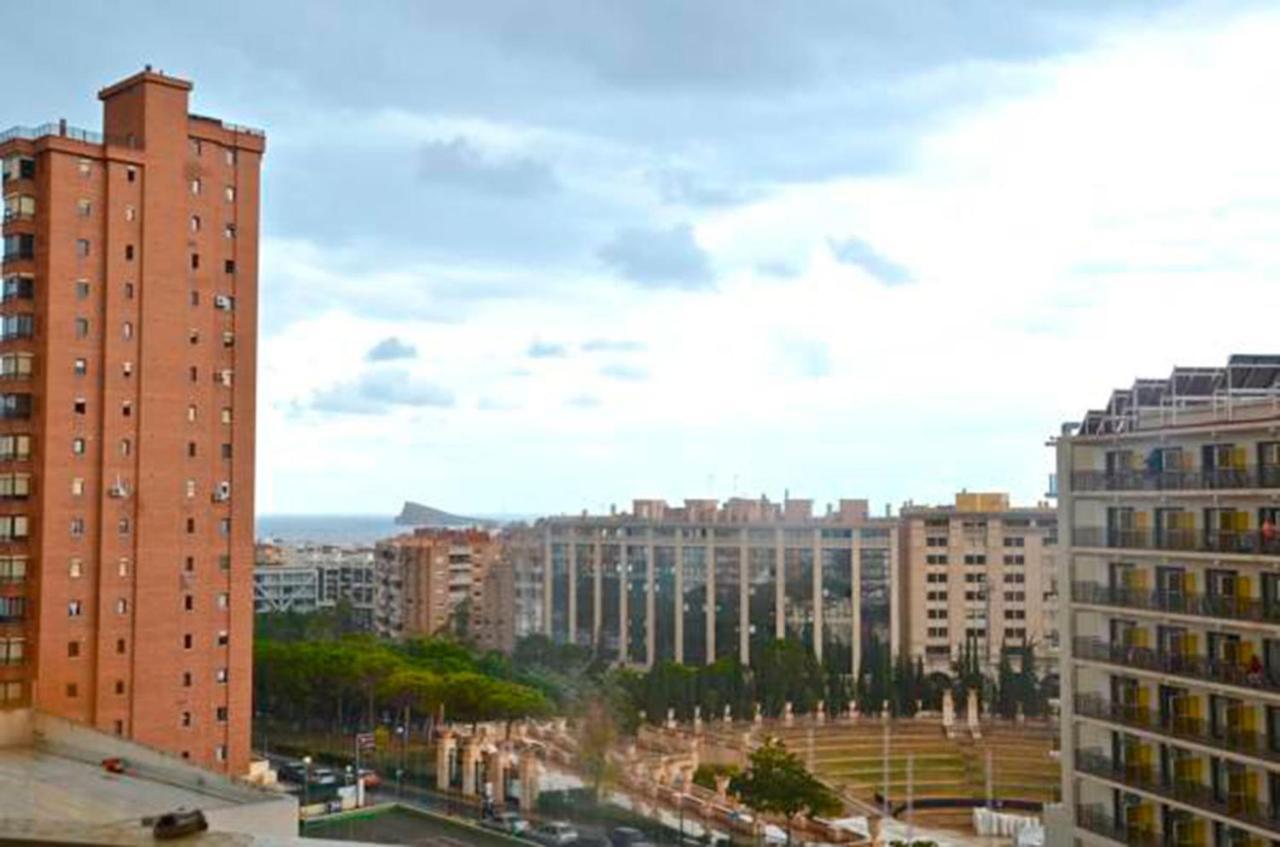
79, 406
131, 173
193, 373
195, 186
82, 289
1014, 542
126, 447
84, 208
126, 368
73, 609
189, 564
128, 252
186, 679
220, 752
195, 147
19, 287
77, 446
186, 719
224, 526
16, 365
119, 686
73, 649
124, 526
126, 408
72, 690
224, 600
77, 527
221, 714
195, 298
120, 646
229, 231
13, 569
230, 156
191, 413
128, 291
122, 567
230, 193
17, 326
229, 266
130, 213
936, 559
1015, 559
15, 486
118, 726
220, 675
223, 638
75, 568
13, 527
975, 559
226, 451
81, 367
187, 641
12, 649
194, 336
195, 223
189, 603
226, 414
82, 247
22, 246
228, 339
224, 562
191, 449
15, 447
195, 261
82, 327
127, 330
191, 526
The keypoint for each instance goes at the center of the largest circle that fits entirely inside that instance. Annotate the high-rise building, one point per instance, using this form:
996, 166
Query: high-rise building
704, 581
979, 573
306, 578
127, 361
1169, 500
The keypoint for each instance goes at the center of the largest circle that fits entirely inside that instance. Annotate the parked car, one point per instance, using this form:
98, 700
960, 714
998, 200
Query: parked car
323, 776
508, 822
371, 778
554, 834
628, 836
292, 772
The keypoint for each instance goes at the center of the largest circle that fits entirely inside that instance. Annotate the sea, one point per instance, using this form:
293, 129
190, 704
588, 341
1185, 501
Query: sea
327, 529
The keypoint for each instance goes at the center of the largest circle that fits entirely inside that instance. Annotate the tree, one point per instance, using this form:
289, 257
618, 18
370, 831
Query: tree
776, 782
596, 736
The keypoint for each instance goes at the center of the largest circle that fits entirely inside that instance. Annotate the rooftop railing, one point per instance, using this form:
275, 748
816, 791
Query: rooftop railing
61, 129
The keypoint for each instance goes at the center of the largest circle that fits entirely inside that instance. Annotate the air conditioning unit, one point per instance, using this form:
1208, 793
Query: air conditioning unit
222, 493
224, 377
222, 301
120, 490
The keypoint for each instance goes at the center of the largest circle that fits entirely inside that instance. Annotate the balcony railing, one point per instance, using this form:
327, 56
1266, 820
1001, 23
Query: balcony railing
1199, 605
1249, 542
1180, 727
1096, 820
1189, 792
1199, 668
1261, 476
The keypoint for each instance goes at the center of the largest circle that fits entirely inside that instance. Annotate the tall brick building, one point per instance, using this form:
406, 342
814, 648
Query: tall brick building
127, 362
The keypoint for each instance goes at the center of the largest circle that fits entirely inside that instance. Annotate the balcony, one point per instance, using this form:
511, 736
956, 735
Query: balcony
1190, 793
1196, 668
1183, 728
1216, 479
1246, 609
1096, 820
1248, 542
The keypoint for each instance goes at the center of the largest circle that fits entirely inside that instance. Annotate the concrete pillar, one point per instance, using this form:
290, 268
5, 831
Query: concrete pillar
624, 582
697, 719
496, 767
470, 758
597, 592
651, 624
817, 593
722, 787
573, 589
744, 599
679, 599
548, 584
780, 584
529, 770
444, 759
787, 716
709, 552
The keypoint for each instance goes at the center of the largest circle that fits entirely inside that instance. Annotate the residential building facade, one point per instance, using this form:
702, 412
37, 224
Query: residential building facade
1168, 504
981, 573
307, 578
128, 366
128, 360
433, 580
706, 580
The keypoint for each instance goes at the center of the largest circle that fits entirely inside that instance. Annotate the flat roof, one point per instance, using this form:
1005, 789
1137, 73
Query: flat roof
43, 786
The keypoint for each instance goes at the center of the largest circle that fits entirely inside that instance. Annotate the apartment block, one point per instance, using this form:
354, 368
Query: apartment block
978, 572
128, 329
706, 580
306, 578
1169, 499
433, 580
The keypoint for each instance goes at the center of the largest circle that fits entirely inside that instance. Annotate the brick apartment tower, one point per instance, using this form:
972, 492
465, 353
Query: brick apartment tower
127, 366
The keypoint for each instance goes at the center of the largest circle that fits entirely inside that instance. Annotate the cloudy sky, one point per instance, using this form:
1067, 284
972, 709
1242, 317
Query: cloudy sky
537, 257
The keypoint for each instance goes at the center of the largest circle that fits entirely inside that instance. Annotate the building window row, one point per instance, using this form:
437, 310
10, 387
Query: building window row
13, 527
13, 569
15, 447
18, 287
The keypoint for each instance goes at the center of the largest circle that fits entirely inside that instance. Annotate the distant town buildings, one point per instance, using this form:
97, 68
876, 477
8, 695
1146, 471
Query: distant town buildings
1169, 500
128, 357
978, 572
309, 577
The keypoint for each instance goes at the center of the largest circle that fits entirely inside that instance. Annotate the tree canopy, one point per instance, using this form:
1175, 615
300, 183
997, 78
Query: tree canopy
777, 782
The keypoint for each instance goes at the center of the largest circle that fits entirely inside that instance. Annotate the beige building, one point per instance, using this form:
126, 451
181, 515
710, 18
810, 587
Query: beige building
1168, 504
433, 580
979, 569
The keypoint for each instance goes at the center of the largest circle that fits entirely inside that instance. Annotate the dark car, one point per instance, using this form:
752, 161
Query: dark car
628, 836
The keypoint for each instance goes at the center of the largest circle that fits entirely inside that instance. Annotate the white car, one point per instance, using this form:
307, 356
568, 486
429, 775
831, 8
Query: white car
554, 834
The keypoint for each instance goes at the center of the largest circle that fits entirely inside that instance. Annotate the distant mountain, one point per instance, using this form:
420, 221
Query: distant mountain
416, 514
